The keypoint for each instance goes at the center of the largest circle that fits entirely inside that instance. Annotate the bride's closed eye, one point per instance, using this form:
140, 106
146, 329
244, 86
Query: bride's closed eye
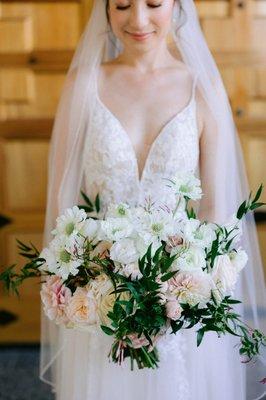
149, 5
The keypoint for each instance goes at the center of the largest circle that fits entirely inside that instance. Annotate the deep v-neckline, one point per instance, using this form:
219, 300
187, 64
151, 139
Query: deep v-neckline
176, 116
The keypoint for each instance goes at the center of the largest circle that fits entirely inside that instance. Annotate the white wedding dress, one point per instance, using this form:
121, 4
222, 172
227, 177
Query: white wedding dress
111, 169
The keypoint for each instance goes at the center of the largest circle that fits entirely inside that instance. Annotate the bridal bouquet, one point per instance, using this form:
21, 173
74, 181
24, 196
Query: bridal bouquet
139, 273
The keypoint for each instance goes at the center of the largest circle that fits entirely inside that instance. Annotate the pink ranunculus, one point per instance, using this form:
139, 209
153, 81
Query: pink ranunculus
173, 310
81, 309
55, 297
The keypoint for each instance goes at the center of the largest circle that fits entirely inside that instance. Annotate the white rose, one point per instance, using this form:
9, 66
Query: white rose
224, 274
239, 259
124, 251
189, 259
115, 229
131, 270
200, 234
90, 229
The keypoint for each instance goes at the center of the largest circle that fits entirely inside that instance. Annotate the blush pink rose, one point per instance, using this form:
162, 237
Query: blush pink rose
173, 310
55, 297
191, 288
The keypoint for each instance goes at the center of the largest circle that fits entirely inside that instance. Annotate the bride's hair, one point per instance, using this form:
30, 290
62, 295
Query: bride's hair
181, 15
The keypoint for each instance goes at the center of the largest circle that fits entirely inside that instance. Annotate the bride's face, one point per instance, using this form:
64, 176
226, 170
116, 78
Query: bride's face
140, 23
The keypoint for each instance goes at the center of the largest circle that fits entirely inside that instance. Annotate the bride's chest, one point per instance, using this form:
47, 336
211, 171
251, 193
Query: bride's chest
111, 162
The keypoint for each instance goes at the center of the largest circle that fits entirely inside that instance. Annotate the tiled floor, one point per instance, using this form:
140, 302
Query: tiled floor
19, 370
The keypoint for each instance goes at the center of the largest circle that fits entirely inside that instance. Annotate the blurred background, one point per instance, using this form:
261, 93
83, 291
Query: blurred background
37, 40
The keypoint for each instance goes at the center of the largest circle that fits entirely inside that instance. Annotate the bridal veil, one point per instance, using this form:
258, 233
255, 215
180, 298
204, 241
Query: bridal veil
227, 187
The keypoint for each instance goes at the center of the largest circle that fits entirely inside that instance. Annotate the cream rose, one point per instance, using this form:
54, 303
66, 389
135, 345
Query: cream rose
81, 309
106, 303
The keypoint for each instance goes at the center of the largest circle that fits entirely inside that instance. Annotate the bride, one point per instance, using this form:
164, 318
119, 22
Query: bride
133, 111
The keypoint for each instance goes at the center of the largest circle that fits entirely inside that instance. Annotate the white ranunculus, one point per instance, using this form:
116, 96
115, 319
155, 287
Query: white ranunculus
186, 184
124, 251
191, 258
70, 223
224, 274
200, 234
239, 259
115, 229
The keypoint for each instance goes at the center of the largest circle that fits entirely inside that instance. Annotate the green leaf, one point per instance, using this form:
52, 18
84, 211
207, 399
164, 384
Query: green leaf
233, 301
107, 330
200, 334
86, 208
257, 195
241, 210
229, 330
97, 203
168, 276
256, 205
87, 200
157, 254
23, 246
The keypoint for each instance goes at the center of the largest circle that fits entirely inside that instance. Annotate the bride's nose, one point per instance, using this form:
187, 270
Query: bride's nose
139, 16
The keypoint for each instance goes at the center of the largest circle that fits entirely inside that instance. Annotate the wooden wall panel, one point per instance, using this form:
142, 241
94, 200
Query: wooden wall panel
29, 94
39, 26
25, 175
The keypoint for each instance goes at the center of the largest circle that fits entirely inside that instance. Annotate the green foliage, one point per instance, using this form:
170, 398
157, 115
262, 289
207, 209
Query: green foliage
90, 206
11, 279
250, 205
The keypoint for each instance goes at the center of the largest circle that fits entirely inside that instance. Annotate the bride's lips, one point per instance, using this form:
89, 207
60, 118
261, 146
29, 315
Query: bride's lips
138, 36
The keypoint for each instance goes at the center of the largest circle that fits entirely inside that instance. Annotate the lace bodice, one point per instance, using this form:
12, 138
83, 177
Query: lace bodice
110, 163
